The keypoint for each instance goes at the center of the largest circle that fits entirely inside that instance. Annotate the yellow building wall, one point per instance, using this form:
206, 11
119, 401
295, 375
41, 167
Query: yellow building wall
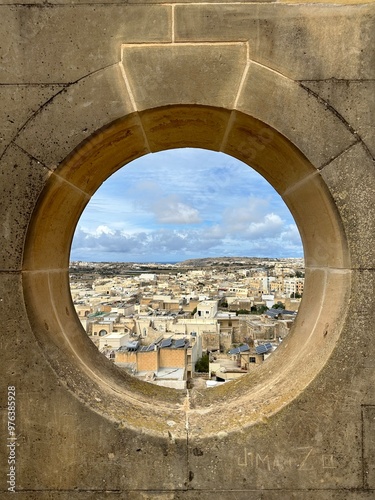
147, 361
175, 358
126, 357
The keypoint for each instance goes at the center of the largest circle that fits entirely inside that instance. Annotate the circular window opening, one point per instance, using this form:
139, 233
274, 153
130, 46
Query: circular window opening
195, 263
45, 272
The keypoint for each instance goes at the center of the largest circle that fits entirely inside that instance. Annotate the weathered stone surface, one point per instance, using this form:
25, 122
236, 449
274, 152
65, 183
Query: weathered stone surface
354, 101
312, 210
216, 70
302, 42
368, 416
267, 151
70, 203
235, 494
355, 351
83, 438
268, 95
180, 126
41, 44
21, 181
81, 109
18, 104
142, 2
351, 180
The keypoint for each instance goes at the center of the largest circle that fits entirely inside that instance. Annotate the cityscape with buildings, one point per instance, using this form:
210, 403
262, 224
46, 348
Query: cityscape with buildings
198, 322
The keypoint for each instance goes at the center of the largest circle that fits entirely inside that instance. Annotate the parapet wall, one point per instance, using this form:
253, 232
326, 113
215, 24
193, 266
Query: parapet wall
288, 88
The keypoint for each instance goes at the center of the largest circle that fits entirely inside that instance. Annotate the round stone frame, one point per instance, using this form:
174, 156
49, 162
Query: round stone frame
94, 379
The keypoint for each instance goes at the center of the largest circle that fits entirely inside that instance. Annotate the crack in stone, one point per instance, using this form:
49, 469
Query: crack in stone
358, 141
333, 110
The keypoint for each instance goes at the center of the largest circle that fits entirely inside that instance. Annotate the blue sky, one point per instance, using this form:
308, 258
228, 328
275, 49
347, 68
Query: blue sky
181, 204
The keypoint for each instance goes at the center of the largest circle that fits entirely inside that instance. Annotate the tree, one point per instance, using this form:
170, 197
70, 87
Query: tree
278, 305
202, 364
260, 309
223, 303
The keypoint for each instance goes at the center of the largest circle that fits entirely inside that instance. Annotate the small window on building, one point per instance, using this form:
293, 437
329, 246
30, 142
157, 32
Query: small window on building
252, 359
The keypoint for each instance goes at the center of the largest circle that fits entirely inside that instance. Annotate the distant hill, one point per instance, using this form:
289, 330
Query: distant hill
217, 261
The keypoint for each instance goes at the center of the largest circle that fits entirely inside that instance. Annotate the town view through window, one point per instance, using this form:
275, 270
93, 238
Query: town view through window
187, 269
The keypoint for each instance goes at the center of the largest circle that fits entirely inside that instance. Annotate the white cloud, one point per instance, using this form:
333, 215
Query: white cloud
217, 205
271, 226
266, 238
172, 211
102, 230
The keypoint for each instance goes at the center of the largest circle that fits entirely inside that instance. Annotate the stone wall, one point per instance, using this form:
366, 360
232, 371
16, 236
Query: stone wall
286, 87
